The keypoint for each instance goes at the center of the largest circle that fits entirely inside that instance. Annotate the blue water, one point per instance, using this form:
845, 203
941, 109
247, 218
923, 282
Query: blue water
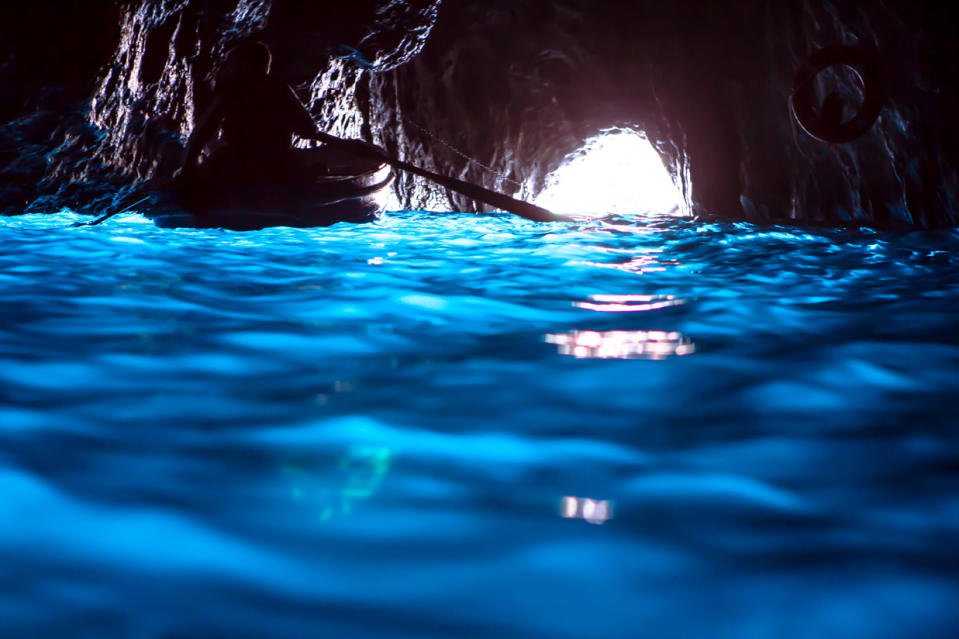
369, 431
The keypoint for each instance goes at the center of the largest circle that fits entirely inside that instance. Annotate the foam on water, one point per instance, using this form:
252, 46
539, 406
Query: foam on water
407, 428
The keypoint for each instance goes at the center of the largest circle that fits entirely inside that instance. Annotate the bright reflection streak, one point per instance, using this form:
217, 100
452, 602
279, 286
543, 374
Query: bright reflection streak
639, 264
628, 303
595, 511
617, 171
655, 345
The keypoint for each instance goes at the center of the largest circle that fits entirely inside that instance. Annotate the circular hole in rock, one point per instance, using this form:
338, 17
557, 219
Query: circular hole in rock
845, 82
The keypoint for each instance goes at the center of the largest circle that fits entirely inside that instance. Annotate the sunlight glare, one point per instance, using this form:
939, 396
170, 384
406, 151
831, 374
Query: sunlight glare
654, 345
617, 171
594, 511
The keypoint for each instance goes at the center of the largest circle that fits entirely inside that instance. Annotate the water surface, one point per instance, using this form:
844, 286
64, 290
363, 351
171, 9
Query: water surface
369, 431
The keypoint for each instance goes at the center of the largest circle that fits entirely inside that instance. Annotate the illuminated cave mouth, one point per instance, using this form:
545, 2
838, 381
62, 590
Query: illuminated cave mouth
617, 171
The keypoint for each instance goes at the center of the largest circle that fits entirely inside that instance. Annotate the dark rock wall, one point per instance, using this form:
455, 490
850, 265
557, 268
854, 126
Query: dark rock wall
517, 86
50, 55
499, 92
155, 78
160, 77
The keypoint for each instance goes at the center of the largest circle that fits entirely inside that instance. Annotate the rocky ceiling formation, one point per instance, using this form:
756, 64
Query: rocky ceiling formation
499, 92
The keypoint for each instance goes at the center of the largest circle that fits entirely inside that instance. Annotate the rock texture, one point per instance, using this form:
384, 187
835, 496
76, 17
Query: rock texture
520, 85
50, 55
156, 77
499, 92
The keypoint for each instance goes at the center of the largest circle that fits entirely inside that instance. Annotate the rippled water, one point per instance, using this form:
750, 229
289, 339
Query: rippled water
369, 431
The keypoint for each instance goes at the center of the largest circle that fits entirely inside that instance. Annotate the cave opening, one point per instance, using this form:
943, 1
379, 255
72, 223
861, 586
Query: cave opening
615, 171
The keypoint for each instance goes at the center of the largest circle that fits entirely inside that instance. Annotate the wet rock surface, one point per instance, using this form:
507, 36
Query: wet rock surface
519, 88
499, 93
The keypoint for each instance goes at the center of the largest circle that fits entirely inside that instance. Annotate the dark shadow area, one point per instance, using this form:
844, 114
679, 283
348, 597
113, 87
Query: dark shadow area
103, 96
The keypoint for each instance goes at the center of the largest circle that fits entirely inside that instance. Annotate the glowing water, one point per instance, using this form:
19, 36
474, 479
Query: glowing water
409, 428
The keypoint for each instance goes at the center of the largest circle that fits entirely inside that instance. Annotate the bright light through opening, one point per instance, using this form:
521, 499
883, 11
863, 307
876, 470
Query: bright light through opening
617, 171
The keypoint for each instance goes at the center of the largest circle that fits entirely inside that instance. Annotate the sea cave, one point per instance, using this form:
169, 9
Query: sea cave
456, 318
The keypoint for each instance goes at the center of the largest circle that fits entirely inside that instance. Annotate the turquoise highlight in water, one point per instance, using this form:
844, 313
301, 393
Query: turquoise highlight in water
461, 426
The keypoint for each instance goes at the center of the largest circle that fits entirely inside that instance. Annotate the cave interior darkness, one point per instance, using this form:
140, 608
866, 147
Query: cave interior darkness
503, 94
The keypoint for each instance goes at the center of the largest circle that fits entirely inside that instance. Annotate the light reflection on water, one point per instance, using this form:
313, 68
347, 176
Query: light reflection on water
356, 476
595, 511
628, 303
622, 344
377, 430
